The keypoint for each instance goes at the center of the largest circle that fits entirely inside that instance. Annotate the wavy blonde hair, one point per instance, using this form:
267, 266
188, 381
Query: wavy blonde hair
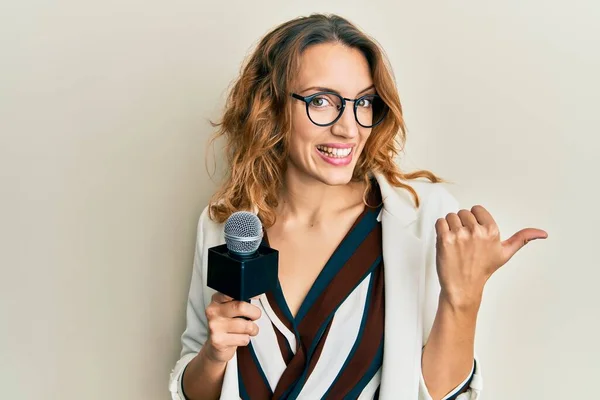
257, 118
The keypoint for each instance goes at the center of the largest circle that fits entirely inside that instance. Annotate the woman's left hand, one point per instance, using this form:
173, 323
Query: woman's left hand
469, 251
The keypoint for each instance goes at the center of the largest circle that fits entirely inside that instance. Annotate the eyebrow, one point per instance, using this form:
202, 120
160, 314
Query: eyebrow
326, 89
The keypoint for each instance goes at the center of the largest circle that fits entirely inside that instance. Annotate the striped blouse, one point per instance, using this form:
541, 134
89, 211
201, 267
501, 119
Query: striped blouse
333, 348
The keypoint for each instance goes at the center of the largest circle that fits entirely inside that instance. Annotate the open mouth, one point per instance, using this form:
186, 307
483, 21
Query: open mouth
334, 152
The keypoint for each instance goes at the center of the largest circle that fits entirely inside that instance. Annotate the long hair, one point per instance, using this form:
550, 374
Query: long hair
257, 121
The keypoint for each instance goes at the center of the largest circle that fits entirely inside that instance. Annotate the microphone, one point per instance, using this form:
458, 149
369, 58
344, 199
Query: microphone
242, 268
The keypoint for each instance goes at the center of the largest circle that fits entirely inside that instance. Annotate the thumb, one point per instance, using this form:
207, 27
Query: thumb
518, 240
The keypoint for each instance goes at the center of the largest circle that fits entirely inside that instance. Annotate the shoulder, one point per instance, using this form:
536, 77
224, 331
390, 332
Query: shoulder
432, 196
207, 228
435, 201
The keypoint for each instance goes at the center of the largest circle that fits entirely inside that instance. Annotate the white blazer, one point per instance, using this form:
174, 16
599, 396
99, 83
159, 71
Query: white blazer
411, 292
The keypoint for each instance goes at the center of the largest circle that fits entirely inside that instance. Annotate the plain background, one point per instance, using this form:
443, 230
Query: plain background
104, 110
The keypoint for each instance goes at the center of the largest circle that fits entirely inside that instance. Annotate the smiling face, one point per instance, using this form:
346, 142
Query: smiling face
328, 154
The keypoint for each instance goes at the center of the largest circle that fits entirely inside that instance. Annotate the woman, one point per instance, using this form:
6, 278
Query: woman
380, 274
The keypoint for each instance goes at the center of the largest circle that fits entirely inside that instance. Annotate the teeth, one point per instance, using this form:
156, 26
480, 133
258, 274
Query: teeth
334, 152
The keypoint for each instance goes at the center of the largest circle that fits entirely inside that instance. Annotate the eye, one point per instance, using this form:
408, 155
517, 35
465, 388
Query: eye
319, 101
364, 102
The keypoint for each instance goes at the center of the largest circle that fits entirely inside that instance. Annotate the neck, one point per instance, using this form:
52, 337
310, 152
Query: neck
309, 202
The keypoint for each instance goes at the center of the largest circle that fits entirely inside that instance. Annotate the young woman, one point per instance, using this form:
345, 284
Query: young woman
380, 274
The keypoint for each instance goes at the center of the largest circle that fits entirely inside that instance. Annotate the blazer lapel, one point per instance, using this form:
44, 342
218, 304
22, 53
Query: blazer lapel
404, 260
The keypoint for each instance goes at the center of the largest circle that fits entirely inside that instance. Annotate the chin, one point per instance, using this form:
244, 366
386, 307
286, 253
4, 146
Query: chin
336, 178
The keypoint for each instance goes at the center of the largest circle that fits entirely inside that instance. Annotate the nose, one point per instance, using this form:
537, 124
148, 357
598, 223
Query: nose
346, 126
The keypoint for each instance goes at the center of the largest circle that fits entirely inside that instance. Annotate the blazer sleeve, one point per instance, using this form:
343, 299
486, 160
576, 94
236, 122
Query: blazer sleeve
438, 204
196, 331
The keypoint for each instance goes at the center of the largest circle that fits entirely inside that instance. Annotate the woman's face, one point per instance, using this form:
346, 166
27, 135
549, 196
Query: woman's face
328, 154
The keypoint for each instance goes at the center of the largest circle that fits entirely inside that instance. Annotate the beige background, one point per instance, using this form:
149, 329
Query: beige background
103, 124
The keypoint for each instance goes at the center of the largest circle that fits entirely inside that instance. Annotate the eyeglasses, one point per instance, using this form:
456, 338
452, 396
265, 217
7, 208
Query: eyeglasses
326, 108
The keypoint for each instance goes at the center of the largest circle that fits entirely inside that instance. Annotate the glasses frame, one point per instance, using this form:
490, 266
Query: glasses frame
308, 99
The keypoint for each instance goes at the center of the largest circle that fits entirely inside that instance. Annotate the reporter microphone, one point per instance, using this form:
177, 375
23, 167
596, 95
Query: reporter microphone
242, 268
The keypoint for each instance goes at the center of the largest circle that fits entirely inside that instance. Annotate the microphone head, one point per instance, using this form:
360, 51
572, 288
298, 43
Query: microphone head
243, 233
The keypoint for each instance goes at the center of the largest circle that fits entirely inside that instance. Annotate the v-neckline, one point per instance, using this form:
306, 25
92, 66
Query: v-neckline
314, 291
278, 292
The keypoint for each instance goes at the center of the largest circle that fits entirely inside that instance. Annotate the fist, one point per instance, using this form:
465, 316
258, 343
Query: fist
469, 250
230, 324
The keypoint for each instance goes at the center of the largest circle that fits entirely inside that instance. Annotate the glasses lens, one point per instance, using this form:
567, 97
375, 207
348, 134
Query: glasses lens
370, 110
324, 108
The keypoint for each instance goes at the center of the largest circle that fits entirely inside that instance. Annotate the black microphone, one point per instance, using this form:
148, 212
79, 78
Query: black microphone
243, 268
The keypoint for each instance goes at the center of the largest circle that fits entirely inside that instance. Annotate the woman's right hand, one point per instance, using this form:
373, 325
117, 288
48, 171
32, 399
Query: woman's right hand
226, 331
